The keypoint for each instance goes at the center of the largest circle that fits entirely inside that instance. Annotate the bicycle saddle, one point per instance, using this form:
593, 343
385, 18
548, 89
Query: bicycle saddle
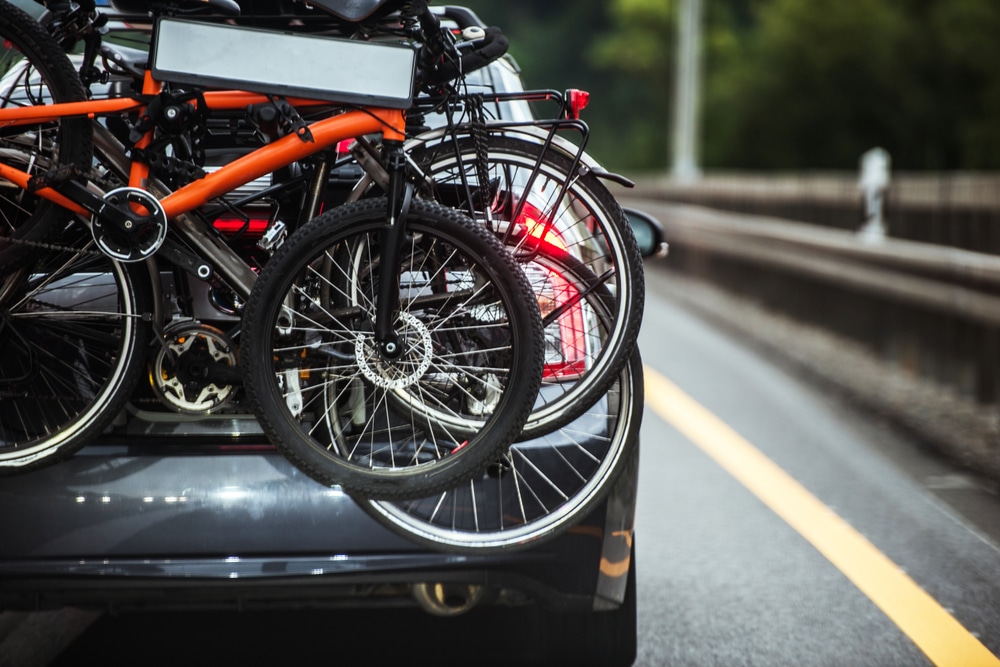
223, 7
354, 11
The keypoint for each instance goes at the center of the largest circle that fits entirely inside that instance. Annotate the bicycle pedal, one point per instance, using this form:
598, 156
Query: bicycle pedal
53, 178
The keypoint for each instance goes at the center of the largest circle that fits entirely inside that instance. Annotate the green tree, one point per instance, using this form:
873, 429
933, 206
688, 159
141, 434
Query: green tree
818, 82
812, 86
635, 49
959, 51
787, 84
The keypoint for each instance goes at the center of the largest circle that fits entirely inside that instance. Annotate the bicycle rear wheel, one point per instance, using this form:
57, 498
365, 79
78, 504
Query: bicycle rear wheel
34, 70
537, 489
550, 214
74, 331
402, 425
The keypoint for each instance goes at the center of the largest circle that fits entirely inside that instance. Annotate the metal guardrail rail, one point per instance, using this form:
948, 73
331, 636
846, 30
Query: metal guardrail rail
949, 280
958, 209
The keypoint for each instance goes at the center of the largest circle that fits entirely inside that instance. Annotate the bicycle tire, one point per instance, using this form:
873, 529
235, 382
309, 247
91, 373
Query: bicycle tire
33, 57
345, 415
535, 491
587, 222
74, 333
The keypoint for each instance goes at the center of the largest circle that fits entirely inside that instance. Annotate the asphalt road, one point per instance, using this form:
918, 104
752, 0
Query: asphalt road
726, 579
777, 525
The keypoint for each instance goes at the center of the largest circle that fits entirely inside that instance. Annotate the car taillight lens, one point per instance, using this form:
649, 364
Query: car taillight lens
536, 222
230, 226
565, 337
344, 147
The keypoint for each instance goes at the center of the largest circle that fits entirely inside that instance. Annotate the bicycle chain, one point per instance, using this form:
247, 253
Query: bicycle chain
106, 183
51, 246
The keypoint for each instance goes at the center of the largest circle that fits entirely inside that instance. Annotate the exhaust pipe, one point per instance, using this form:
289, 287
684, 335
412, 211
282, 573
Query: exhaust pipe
443, 599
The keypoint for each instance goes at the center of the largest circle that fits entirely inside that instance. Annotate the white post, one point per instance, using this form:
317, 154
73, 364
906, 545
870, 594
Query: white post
686, 98
873, 181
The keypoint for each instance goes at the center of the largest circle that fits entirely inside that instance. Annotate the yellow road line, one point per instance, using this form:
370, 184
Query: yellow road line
936, 632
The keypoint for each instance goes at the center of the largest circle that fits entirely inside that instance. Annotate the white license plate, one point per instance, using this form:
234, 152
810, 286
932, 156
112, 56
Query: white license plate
238, 58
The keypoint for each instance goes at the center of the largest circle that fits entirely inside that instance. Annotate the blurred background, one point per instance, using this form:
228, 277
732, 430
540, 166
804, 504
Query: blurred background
785, 84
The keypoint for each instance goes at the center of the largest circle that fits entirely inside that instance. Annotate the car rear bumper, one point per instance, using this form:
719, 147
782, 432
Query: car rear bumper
160, 526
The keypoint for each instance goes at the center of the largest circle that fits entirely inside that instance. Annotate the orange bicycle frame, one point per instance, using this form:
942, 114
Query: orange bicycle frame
291, 148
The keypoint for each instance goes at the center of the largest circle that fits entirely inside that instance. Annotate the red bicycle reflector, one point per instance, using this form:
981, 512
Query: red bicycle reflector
578, 101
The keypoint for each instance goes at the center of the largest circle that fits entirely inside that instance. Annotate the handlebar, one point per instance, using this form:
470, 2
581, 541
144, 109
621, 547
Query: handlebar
492, 46
440, 60
439, 67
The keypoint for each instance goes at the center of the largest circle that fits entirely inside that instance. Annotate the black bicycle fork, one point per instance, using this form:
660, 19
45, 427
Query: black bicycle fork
391, 238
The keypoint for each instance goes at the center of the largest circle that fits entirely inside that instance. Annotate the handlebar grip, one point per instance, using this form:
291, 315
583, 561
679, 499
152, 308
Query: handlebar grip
429, 22
493, 45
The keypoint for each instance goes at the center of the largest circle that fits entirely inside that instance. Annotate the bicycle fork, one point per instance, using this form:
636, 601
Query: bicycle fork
400, 195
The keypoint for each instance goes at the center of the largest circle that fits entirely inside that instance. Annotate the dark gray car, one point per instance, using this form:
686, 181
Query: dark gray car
177, 511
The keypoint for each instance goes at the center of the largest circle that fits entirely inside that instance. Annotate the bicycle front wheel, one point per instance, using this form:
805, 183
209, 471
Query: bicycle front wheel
74, 331
34, 71
454, 393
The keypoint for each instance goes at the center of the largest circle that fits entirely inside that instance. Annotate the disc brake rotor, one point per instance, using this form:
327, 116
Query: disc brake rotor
401, 372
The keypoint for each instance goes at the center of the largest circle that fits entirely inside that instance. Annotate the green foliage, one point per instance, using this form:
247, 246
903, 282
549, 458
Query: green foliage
639, 40
814, 86
967, 33
787, 84
821, 81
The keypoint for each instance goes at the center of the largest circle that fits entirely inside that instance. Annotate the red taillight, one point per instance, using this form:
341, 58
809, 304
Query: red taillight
230, 226
344, 146
535, 222
572, 360
578, 101
567, 360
